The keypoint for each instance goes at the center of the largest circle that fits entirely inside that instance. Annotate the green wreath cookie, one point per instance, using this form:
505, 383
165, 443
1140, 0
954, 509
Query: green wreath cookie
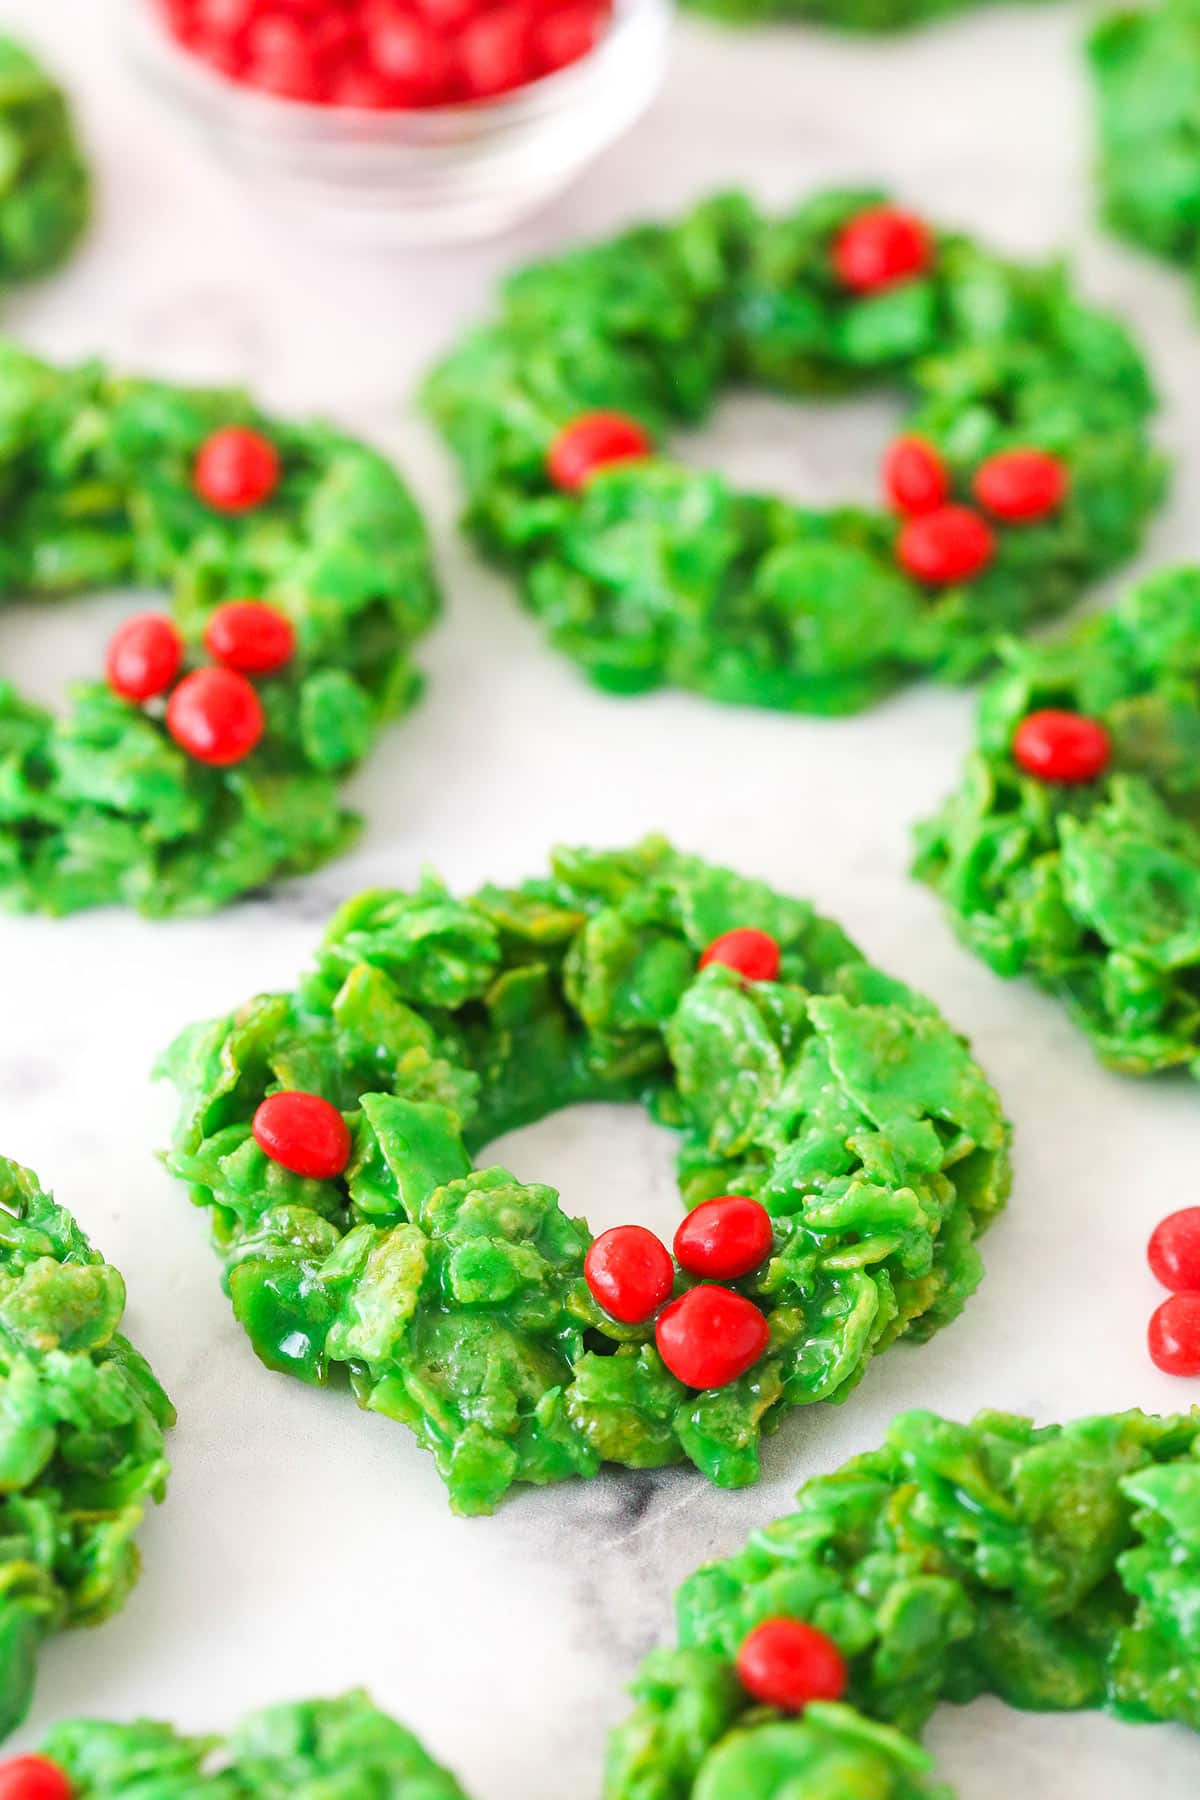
1056, 1568
1071, 850
332, 1133
45, 193
210, 759
845, 15
1026, 469
344, 1749
1146, 80
82, 1435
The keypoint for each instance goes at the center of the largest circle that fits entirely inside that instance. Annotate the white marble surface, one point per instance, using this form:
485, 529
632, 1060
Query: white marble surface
305, 1547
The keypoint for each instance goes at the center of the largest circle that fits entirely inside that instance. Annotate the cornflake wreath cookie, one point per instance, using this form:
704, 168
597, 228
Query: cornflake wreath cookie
1025, 468
845, 15
82, 1435
1145, 67
1053, 1567
848, 1149
206, 758
313, 1750
45, 192
1071, 849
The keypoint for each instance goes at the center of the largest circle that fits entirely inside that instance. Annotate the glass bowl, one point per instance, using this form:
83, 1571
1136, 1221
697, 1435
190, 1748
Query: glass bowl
439, 175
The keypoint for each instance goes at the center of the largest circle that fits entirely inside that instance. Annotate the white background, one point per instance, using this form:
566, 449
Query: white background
304, 1547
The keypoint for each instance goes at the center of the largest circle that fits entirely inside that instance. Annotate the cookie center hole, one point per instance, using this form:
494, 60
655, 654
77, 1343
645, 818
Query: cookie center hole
611, 1164
46, 645
819, 453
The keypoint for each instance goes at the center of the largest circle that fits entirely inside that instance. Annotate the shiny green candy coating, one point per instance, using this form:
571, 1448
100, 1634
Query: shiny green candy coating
1056, 1568
657, 574
1094, 889
82, 1435
344, 1749
451, 1295
1146, 80
45, 193
99, 804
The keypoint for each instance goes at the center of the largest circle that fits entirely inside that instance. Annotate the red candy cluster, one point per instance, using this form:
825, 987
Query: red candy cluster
1174, 1257
214, 714
940, 541
388, 55
709, 1335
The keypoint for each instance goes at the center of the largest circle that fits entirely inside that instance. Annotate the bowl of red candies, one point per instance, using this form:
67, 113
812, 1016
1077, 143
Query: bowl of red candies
405, 121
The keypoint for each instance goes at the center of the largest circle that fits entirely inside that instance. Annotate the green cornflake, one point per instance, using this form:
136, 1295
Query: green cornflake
82, 1435
659, 574
1054, 1567
45, 193
100, 805
1092, 889
344, 1749
1146, 81
451, 1296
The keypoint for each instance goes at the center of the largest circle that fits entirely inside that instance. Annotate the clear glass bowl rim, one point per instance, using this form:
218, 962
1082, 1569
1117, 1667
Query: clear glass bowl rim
276, 116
